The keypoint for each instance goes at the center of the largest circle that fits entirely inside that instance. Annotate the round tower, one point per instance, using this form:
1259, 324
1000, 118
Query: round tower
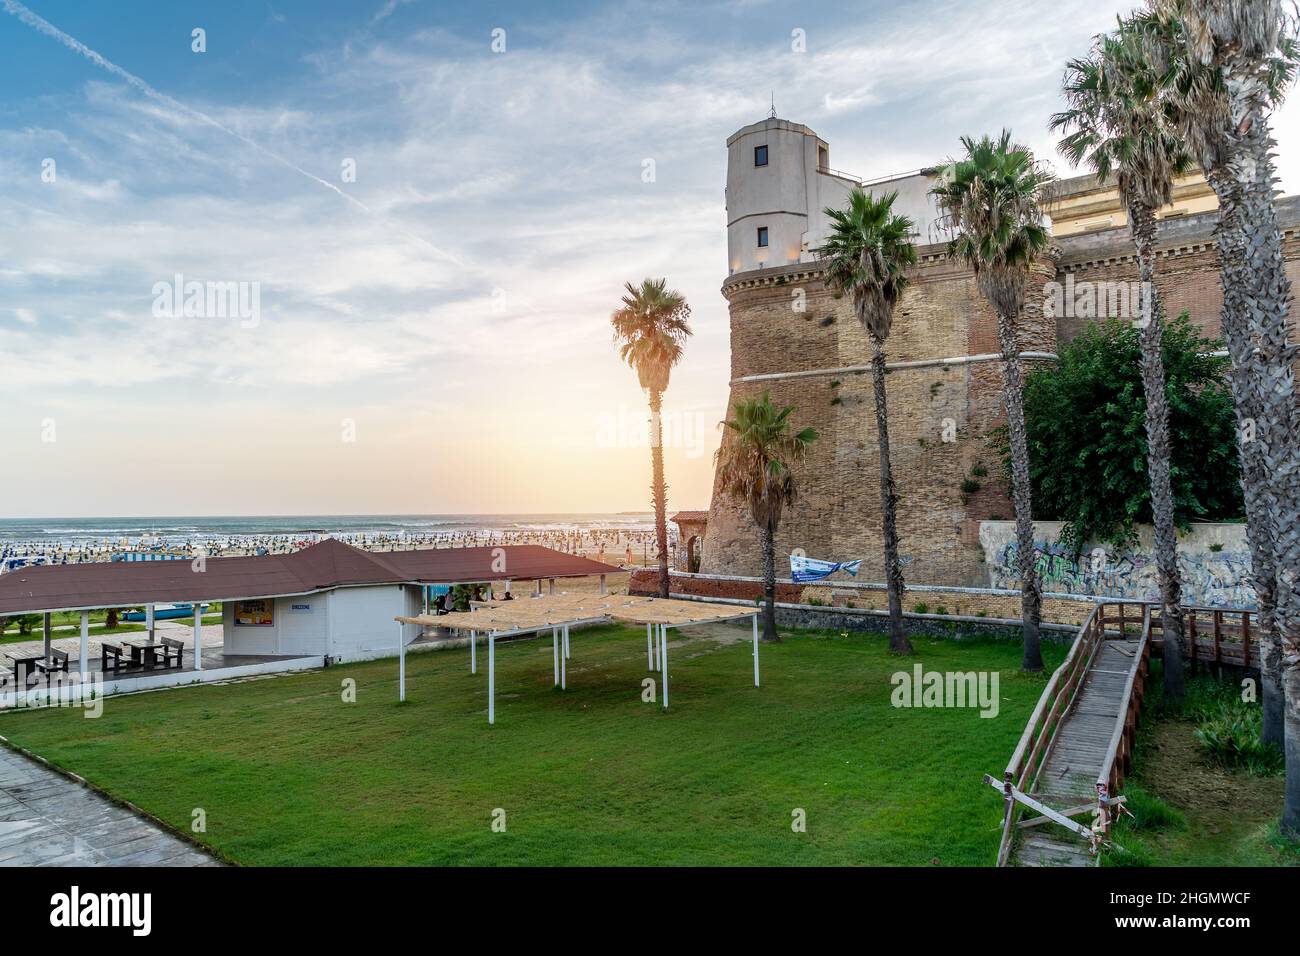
792, 337
778, 181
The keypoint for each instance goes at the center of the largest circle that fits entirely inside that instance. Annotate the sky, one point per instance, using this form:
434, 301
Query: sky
430, 209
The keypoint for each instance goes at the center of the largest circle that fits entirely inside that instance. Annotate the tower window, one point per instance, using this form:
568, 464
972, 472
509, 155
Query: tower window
762, 236
760, 155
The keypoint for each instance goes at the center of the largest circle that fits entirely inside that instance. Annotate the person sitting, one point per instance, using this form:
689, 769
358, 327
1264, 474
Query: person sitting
509, 597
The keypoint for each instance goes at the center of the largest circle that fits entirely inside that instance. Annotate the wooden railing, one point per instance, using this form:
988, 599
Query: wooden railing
1217, 635
1053, 704
1119, 753
1211, 635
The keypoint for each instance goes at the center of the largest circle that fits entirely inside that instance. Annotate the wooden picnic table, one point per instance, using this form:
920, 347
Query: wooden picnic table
144, 652
28, 661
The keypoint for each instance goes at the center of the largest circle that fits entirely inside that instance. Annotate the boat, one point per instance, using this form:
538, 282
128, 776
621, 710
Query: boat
163, 612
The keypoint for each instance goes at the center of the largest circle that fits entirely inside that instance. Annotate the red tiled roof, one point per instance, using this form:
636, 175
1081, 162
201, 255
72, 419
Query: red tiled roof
328, 564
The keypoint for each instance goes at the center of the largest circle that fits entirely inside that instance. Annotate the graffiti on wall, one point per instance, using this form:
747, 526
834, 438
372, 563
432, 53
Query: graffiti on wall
1210, 578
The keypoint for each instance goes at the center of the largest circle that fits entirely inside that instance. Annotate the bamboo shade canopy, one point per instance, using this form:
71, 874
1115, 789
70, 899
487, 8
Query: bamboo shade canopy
554, 610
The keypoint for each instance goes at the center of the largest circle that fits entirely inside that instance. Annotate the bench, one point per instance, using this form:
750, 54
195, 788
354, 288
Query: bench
172, 650
58, 662
111, 657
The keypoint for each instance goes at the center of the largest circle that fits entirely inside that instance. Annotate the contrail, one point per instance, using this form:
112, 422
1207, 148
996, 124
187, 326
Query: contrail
72, 43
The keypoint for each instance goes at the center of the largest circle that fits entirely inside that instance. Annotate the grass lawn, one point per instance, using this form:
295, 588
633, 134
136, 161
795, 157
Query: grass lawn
68, 624
97, 631
289, 774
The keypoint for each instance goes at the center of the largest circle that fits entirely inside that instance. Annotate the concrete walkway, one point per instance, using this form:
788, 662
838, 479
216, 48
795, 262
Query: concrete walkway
48, 820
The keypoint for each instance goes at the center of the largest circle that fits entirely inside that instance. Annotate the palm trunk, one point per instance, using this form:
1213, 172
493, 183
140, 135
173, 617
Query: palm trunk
1254, 481
898, 642
1279, 440
1291, 804
659, 490
1266, 291
1007, 298
1142, 222
768, 535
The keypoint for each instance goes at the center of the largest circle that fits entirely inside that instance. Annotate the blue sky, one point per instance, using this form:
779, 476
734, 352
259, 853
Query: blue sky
452, 303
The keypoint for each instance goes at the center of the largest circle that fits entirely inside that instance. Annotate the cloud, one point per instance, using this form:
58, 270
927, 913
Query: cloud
525, 168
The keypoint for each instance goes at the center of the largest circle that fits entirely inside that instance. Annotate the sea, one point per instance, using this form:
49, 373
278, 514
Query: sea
626, 535
180, 530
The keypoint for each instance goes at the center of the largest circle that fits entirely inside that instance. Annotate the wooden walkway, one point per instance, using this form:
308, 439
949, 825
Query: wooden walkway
1076, 748
1071, 761
1078, 755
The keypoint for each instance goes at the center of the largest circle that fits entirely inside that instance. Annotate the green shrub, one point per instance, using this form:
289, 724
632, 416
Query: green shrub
922, 608
1089, 410
1231, 737
941, 610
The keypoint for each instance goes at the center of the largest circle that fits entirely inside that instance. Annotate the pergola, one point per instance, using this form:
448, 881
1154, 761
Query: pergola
559, 612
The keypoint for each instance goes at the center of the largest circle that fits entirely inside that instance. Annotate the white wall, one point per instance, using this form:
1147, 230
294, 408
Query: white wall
790, 194
350, 623
1213, 558
299, 627
361, 622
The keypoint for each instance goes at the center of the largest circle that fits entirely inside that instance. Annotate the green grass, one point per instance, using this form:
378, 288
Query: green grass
289, 774
97, 632
68, 624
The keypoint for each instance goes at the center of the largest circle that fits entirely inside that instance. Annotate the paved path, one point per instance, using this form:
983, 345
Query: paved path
48, 820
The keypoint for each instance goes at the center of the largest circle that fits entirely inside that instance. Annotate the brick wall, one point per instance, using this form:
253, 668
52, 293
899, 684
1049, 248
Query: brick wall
942, 315
931, 600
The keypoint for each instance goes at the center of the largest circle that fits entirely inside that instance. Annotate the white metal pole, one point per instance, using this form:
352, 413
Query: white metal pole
85, 645
555, 657
663, 659
473, 652
564, 656
148, 621
198, 635
401, 663
649, 650
755, 650
566, 641
424, 589
492, 677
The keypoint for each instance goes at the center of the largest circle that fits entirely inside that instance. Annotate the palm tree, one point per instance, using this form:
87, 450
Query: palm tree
754, 469
1120, 125
867, 255
1227, 64
650, 329
990, 200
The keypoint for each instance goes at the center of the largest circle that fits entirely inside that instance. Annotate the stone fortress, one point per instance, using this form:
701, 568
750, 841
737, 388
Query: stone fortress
789, 335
